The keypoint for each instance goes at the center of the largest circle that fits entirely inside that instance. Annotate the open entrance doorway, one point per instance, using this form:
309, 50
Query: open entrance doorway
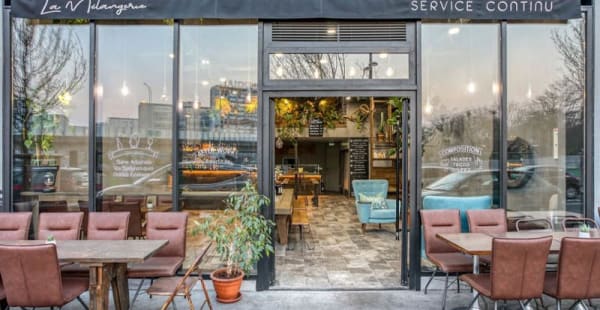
332, 234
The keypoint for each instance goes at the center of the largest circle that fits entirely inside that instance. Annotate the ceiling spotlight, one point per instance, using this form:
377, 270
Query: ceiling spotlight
453, 31
331, 31
171, 55
471, 87
204, 83
124, 89
383, 55
389, 71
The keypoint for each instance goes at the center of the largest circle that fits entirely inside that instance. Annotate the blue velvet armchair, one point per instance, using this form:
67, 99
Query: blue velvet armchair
372, 206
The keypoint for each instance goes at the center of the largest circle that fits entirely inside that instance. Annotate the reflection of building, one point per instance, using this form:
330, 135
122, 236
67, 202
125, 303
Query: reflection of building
155, 120
120, 126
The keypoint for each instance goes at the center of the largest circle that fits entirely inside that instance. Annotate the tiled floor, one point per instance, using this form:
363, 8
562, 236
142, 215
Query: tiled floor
343, 257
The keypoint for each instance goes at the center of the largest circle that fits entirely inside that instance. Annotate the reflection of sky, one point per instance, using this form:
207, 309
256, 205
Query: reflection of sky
460, 69
211, 54
132, 56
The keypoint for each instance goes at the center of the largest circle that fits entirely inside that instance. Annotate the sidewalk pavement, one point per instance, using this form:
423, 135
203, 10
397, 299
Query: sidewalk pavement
317, 300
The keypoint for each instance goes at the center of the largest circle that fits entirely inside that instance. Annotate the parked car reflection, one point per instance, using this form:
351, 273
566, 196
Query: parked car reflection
526, 191
558, 176
201, 186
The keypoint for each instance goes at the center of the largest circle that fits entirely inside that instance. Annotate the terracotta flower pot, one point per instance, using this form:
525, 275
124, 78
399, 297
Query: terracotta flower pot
228, 290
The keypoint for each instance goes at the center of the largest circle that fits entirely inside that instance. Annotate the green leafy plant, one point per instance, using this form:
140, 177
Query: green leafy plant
50, 239
585, 228
360, 116
240, 233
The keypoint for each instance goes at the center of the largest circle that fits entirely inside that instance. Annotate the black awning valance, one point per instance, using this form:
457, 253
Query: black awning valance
298, 9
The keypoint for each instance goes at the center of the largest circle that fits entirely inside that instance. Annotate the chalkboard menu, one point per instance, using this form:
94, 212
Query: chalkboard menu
315, 127
359, 159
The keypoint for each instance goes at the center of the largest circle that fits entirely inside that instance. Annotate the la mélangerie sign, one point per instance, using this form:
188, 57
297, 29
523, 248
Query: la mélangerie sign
297, 9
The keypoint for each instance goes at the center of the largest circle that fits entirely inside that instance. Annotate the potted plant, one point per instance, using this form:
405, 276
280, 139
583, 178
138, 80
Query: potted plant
241, 236
584, 231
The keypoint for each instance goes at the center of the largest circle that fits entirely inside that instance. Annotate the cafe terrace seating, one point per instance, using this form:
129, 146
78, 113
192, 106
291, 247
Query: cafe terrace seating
60, 225
372, 206
107, 226
446, 258
487, 221
517, 272
461, 203
578, 272
166, 262
15, 226
182, 286
136, 225
574, 224
32, 278
101, 226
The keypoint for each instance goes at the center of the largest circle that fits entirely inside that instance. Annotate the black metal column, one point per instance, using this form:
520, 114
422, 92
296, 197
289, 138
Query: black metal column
92, 151
175, 150
6, 112
503, 119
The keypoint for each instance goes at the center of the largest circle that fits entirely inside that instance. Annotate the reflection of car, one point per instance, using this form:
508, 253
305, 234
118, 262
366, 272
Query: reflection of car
525, 191
197, 182
72, 180
557, 176
430, 174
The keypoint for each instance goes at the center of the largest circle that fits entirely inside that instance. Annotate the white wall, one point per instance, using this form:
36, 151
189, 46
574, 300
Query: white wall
597, 109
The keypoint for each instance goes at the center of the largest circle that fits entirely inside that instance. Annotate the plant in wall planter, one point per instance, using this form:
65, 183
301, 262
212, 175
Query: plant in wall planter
241, 236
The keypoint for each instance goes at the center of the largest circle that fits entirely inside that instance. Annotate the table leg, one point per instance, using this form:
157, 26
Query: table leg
282, 228
475, 271
99, 283
120, 287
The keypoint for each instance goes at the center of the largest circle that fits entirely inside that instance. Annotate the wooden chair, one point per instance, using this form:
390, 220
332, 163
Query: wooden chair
300, 218
85, 208
53, 206
136, 226
164, 202
533, 224
182, 286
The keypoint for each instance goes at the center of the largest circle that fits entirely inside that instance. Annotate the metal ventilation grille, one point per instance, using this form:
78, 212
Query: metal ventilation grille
338, 32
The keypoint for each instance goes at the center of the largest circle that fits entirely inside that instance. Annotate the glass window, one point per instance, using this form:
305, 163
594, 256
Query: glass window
546, 92
460, 110
336, 66
133, 119
217, 117
50, 115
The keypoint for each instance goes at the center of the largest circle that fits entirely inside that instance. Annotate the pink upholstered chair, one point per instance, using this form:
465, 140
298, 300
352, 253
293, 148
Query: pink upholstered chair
15, 226
518, 269
578, 272
107, 225
32, 278
63, 226
487, 221
165, 263
446, 258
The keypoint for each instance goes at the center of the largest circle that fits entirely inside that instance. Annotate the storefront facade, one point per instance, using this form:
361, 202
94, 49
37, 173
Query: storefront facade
137, 98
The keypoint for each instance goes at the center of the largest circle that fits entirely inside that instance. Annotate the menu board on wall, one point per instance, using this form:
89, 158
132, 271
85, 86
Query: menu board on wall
315, 127
359, 159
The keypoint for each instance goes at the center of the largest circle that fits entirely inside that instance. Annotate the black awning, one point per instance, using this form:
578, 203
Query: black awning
298, 9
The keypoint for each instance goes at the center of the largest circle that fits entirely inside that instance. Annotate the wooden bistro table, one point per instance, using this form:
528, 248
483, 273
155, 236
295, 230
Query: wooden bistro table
107, 260
478, 244
283, 213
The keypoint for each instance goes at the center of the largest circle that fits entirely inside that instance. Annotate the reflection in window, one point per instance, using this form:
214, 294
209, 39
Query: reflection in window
50, 114
217, 117
338, 66
460, 110
133, 120
546, 87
